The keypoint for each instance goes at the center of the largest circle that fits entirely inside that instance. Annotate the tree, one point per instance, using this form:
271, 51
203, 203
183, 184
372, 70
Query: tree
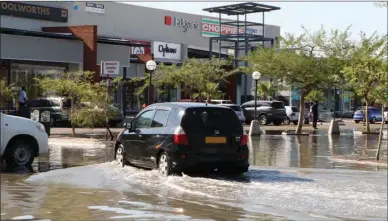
211, 91
364, 68
380, 93
296, 62
269, 89
315, 95
74, 85
95, 109
197, 77
6, 93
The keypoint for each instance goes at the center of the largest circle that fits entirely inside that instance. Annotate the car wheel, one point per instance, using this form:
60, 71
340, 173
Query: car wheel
287, 121
386, 122
373, 120
263, 119
306, 121
20, 154
295, 122
119, 155
164, 164
357, 121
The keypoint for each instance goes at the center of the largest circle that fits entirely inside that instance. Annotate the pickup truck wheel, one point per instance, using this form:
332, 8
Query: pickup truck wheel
20, 154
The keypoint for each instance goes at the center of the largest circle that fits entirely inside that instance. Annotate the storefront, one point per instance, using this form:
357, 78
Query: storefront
54, 36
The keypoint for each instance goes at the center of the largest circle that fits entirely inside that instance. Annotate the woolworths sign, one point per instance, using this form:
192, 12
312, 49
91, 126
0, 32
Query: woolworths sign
211, 28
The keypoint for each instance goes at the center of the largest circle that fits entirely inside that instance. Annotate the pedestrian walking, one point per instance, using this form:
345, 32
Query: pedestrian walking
314, 110
22, 100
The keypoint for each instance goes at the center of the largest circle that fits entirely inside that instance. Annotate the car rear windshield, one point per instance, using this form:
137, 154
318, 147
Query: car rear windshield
235, 107
277, 105
295, 109
201, 120
40, 103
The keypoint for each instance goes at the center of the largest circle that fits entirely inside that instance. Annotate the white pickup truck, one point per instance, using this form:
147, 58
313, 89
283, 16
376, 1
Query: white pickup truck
21, 140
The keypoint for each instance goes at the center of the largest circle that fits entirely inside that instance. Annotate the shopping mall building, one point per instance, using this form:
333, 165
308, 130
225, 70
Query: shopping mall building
38, 37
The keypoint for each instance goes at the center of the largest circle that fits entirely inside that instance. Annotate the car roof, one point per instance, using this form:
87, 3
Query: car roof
184, 105
228, 105
262, 101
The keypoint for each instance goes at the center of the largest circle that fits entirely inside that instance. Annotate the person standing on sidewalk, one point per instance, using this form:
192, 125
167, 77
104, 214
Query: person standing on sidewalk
22, 99
314, 109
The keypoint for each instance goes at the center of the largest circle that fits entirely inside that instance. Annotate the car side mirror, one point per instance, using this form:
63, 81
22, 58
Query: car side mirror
128, 126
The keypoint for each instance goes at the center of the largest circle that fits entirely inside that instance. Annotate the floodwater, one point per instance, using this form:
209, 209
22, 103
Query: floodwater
317, 177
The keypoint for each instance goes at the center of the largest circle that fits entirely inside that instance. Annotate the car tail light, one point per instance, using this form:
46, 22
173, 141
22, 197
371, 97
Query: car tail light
180, 137
244, 140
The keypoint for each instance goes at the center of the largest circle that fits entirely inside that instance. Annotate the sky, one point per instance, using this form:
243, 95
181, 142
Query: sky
362, 16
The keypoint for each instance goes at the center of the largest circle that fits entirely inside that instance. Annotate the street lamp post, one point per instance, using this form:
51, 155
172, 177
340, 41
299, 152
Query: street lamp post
256, 76
151, 66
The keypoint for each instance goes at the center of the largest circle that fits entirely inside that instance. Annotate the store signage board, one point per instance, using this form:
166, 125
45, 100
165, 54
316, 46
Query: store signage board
137, 50
180, 22
167, 51
211, 28
94, 7
38, 12
111, 68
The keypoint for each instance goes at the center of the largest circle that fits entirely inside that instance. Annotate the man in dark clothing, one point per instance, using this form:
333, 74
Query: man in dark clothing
314, 109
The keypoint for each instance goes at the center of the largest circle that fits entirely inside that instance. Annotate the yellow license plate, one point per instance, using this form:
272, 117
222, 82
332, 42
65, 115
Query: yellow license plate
214, 140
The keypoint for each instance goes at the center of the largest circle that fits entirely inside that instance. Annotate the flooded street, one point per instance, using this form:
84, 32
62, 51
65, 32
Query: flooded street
290, 178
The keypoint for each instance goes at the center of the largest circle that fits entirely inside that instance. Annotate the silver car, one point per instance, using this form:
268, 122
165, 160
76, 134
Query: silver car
237, 109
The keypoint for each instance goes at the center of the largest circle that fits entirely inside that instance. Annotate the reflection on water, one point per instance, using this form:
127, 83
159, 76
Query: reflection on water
347, 150
109, 192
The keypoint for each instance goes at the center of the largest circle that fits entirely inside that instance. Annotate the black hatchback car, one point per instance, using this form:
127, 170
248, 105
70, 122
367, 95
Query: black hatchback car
267, 112
184, 137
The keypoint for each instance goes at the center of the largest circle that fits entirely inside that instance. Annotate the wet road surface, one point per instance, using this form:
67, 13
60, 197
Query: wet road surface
291, 178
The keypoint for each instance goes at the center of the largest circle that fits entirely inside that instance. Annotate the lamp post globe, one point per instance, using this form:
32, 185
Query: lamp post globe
256, 75
151, 65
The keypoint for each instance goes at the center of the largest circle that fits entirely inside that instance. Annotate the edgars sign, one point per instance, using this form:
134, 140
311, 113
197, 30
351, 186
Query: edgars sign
180, 22
166, 51
33, 11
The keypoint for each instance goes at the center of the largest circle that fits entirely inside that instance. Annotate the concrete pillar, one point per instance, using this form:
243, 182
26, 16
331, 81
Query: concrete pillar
254, 129
334, 127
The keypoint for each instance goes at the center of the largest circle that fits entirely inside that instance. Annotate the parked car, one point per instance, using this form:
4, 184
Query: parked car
324, 114
374, 114
56, 105
181, 137
386, 115
292, 115
345, 114
21, 140
267, 112
237, 109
